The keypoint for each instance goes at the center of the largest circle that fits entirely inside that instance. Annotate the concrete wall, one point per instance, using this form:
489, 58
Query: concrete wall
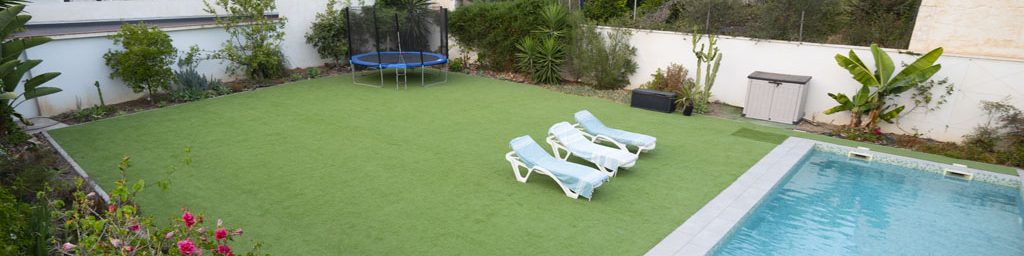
80, 61
79, 57
974, 28
976, 79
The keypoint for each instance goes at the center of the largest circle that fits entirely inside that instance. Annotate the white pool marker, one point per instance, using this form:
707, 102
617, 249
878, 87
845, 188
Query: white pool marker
957, 174
863, 155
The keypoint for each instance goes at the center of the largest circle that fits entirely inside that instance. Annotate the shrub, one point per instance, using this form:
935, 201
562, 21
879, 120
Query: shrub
477, 27
603, 10
296, 76
313, 72
456, 65
328, 34
12, 215
192, 86
145, 61
118, 228
254, 43
673, 79
604, 64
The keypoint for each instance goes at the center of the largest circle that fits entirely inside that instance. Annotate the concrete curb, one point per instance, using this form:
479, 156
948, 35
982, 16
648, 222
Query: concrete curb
78, 169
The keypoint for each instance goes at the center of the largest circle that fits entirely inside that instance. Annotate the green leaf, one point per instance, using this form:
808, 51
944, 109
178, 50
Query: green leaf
8, 17
862, 96
36, 81
856, 68
8, 96
889, 116
883, 64
40, 92
14, 47
13, 78
844, 104
920, 70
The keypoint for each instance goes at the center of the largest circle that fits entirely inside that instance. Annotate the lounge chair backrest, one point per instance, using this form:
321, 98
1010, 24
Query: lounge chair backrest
589, 121
567, 134
528, 150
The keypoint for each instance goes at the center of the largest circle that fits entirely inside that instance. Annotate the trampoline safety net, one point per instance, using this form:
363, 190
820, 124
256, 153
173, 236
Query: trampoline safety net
382, 37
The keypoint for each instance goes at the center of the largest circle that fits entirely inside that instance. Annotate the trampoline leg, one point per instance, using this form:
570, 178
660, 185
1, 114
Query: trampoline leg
445, 80
355, 81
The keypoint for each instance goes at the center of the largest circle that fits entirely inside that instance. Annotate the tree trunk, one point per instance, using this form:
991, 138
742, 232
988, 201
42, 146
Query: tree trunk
873, 118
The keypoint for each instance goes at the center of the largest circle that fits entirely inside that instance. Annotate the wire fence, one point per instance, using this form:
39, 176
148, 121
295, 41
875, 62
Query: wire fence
888, 23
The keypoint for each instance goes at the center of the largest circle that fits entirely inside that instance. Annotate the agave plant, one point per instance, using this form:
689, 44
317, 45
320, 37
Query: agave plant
880, 85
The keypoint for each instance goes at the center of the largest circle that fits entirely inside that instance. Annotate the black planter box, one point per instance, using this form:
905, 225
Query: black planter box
654, 100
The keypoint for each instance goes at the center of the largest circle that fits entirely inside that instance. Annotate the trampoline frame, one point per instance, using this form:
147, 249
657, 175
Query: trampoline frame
401, 68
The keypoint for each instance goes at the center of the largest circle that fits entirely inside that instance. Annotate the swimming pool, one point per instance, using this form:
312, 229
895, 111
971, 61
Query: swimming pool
828, 204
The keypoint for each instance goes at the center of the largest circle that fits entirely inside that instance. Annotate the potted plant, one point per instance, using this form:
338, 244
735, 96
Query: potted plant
686, 96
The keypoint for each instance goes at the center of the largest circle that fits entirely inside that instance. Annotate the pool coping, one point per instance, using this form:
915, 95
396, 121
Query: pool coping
701, 233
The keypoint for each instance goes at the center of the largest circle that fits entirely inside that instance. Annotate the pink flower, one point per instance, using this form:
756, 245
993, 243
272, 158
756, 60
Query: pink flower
67, 247
189, 219
128, 248
111, 208
134, 228
115, 242
224, 249
220, 233
186, 247
169, 235
237, 232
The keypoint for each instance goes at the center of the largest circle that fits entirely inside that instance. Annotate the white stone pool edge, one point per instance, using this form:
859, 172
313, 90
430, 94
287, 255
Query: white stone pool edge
713, 222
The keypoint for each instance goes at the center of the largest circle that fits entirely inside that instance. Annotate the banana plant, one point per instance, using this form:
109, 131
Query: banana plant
880, 85
13, 69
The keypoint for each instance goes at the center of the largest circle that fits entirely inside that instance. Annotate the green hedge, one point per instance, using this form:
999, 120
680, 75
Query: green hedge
492, 29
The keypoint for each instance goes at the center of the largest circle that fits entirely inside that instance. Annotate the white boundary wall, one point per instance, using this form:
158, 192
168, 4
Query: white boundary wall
976, 79
80, 57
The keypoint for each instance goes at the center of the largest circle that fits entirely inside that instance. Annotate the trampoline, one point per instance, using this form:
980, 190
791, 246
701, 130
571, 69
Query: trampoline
382, 38
399, 59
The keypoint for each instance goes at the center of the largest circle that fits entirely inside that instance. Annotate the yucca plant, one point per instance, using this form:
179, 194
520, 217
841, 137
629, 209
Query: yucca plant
880, 85
542, 54
542, 59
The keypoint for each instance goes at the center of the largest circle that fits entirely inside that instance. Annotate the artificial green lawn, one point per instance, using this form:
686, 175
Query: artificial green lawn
326, 167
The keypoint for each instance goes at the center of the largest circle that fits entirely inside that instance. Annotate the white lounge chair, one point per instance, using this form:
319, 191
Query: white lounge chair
564, 137
574, 179
596, 131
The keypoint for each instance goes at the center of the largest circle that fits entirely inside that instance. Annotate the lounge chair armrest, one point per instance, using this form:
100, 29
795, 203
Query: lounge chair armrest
557, 147
583, 131
613, 141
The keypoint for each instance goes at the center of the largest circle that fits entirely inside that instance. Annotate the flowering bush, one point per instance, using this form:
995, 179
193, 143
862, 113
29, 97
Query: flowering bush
88, 228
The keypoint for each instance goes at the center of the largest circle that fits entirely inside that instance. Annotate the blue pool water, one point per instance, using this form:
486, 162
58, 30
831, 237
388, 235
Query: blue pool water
831, 205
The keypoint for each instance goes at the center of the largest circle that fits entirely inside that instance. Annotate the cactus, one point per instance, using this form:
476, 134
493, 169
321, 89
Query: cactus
100, 92
707, 69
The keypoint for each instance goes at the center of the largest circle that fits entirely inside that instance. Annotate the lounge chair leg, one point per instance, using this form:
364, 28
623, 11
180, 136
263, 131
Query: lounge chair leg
519, 176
